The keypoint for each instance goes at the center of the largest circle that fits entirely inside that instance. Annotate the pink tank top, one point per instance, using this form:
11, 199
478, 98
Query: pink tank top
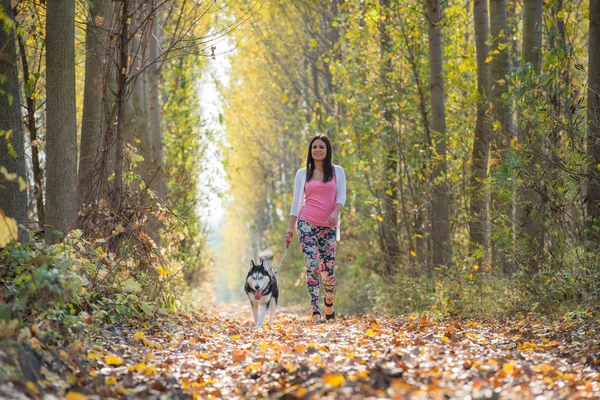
319, 201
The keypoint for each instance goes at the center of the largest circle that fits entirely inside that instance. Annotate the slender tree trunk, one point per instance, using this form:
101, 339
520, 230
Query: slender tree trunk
61, 133
158, 184
440, 224
13, 198
121, 111
137, 127
314, 72
530, 205
593, 190
390, 232
38, 173
93, 122
503, 195
479, 215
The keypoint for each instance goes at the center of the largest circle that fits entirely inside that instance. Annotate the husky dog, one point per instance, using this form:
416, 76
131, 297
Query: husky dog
261, 288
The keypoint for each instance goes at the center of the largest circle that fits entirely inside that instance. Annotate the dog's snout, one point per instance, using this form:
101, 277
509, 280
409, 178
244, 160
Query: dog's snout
256, 287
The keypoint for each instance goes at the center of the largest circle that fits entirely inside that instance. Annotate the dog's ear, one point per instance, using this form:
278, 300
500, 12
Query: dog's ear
251, 265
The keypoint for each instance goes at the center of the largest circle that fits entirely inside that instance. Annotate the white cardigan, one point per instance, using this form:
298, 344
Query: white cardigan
300, 182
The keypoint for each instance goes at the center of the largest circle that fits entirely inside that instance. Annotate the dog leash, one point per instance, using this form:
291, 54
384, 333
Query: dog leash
282, 258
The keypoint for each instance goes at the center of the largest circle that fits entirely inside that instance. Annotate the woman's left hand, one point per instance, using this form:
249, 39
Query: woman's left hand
333, 219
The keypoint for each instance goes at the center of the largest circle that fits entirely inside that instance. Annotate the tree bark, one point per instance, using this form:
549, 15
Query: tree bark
503, 195
479, 215
440, 223
61, 135
93, 122
155, 119
13, 199
593, 190
38, 173
121, 111
137, 132
389, 226
530, 205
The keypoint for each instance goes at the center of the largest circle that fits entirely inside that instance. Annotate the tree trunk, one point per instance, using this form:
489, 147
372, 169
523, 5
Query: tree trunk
479, 215
440, 217
593, 190
61, 133
158, 184
530, 205
389, 227
503, 195
137, 133
38, 173
121, 112
93, 122
13, 198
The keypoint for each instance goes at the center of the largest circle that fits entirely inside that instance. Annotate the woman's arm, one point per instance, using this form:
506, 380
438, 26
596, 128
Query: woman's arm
340, 198
293, 211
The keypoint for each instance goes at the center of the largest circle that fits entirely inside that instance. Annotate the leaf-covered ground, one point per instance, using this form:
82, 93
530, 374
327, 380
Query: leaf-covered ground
222, 355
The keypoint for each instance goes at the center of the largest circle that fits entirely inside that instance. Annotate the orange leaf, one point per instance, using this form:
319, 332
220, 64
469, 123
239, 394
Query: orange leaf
239, 355
300, 349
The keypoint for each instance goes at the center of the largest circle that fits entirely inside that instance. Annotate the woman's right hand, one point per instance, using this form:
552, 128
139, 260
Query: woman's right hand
288, 237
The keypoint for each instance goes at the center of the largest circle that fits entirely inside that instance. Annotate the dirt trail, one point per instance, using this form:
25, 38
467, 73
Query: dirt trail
222, 355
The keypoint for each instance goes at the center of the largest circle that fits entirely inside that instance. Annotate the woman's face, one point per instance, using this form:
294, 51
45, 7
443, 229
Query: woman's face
318, 150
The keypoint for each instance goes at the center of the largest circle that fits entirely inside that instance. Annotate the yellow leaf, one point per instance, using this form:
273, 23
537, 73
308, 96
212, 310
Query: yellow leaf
110, 380
488, 59
139, 335
379, 218
162, 271
470, 277
370, 333
318, 105
235, 337
508, 368
137, 367
149, 369
412, 253
75, 396
334, 380
113, 360
445, 339
92, 355
475, 267
8, 230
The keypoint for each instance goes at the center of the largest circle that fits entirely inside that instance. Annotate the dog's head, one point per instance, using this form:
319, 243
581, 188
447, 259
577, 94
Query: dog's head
258, 278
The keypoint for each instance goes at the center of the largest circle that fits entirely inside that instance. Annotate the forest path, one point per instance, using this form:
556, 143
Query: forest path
222, 355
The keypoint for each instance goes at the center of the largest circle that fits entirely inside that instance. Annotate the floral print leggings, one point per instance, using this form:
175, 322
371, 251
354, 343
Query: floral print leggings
318, 247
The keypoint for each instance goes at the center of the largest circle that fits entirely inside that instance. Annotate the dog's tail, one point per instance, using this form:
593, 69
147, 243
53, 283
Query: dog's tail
266, 257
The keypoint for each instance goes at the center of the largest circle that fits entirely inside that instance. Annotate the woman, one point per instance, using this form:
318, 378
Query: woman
319, 195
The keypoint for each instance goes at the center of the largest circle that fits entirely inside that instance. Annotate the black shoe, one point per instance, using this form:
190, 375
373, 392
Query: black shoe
331, 316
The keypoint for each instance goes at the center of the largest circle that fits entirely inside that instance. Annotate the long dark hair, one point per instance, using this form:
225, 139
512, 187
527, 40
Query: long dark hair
327, 165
